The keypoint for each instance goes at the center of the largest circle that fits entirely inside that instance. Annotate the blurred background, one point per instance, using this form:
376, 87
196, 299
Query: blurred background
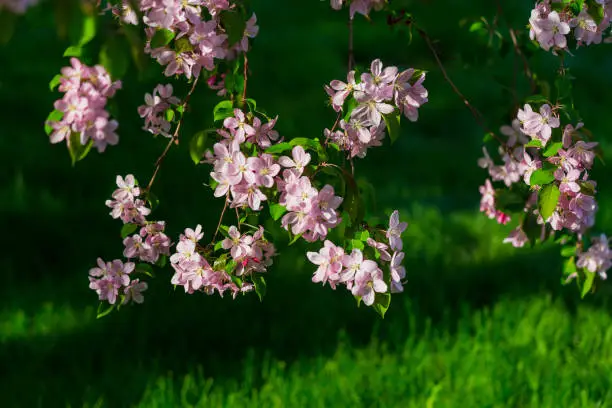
481, 324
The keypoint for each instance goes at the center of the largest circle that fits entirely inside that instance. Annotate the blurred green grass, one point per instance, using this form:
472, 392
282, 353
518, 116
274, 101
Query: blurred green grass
480, 325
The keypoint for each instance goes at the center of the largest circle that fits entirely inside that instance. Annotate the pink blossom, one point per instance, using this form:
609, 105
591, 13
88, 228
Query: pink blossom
394, 233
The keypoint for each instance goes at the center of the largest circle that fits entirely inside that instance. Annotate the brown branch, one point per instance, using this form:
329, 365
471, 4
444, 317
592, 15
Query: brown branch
517, 49
351, 53
477, 115
174, 138
245, 72
221, 217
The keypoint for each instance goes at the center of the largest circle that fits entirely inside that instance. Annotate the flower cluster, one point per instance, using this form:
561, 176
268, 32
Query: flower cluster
154, 110
148, 245
125, 203
244, 177
181, 38
112, 279
550, 23
249, 254
362, 276
359, 6
17, 6
598, 258
380, 92
83, 106
561, 170
311, 212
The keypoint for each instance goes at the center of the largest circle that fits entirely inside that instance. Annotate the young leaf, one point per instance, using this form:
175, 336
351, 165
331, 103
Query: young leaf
115, 56
234, 25
279, 148
76, 149
587, 285
568, 251
73, 51
103, 312
162, 37
197, 146
277, 211
393, 125
145, 269
260, 286
222, 110
54, 116
541, 177
128, 229
548, 199
552, 149
534, 143
55, 82
381, 303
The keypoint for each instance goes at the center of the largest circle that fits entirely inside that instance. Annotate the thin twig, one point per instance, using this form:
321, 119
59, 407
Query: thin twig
351, 54
517, 48
245, 72
221, 217
477, 115
175, 136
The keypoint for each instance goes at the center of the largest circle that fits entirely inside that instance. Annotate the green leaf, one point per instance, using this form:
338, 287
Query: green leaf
115, 56
169, 114
222, 110
260, 286
103, 312
294, 239
351, 104
218, 246
568, 251
277, 211
234, 24
477, 26
73, 51
77, 151
393, 125
534, 143
153, 200
357, 244
55, 82
128, 229
182, 45
365, 235
162, 261
251, 104
542, 177
89, 30
488, 137
54, 116
569, 266
197, 146
230, 266
381, 303
162, 37
548, 199
587, 285
536, 99
279, 148
552, 149
144, 268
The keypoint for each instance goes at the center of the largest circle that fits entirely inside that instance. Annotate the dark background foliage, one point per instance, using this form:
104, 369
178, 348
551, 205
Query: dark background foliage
462, 280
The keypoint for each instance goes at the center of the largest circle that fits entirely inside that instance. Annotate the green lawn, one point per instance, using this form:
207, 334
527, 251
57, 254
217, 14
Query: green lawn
481, 324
